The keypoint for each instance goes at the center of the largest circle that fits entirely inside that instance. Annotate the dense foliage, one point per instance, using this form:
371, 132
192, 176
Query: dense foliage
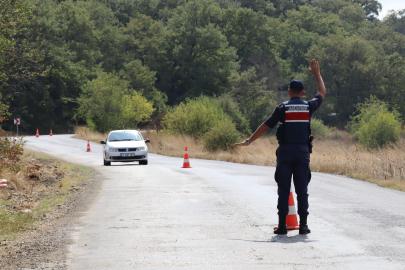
213, 120
56, 53
194, 117
221, 137
374, 125
109, 103
318, 129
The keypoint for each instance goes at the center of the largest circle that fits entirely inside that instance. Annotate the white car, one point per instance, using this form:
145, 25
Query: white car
125, 146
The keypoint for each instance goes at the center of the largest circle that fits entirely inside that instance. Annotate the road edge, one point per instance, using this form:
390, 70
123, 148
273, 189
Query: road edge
47, 246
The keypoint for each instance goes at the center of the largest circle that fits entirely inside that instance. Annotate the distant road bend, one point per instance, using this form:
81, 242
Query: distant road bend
220, 215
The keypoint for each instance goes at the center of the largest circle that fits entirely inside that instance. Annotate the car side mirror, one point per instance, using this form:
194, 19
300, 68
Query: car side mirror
102, 142
147, 141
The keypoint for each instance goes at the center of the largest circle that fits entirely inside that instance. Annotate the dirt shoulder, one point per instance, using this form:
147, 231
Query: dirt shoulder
43, 244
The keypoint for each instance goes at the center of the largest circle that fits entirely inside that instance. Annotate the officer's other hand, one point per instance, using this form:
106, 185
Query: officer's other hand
241, 144
3, 183
314, 69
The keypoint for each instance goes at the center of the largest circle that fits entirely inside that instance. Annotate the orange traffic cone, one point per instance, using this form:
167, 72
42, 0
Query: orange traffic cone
51, 133
186, 163
291, 220
88, 146
37, 134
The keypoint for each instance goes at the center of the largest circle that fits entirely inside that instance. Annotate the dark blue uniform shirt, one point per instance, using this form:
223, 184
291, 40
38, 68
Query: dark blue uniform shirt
278, 115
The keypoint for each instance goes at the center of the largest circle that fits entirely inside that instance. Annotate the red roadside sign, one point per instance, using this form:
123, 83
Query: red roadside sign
16, 121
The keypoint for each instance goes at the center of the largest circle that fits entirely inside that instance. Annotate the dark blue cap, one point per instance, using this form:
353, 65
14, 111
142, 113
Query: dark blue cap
297, 85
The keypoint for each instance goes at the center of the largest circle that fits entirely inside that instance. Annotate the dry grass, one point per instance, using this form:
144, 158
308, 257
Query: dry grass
87, 134
337, 154
38, 186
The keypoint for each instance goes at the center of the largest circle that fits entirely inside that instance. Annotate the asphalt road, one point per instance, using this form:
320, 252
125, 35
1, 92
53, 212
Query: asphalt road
220, 215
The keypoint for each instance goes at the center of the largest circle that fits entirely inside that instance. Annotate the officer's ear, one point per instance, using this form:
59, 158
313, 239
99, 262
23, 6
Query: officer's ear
302, 93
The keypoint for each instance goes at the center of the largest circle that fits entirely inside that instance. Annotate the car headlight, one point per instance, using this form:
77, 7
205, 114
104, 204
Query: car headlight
111, 149
142, 148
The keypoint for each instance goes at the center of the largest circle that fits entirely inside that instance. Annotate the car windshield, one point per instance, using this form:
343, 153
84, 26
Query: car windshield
124, 136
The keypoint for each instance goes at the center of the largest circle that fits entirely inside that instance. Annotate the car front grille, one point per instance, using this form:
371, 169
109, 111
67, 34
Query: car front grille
124, 158
125, 149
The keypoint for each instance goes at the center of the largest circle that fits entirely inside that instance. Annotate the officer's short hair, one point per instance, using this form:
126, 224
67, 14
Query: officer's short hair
296, 86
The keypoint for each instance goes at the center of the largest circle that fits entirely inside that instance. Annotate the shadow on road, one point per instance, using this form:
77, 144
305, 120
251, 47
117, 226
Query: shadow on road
134, 164
282, 239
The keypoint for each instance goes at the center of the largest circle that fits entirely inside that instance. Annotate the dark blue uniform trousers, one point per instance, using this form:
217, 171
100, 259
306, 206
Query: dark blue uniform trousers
292, 160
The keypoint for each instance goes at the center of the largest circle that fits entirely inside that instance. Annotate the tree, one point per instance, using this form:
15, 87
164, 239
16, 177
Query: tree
351, 70
247, 31
300, 29
243, 52
385, 37
19, 58
123, 10
108, 103
263, 6
86, 28
353, 14
143, 39
312, 19
370, 7
299, 42
394, 82
135, 108
225, 4
197, 59
255, 102
282, 7
396, 19
78, 37
142, 79
333, 6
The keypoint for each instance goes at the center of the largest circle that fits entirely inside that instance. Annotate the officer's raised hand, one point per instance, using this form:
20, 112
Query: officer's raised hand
315, 69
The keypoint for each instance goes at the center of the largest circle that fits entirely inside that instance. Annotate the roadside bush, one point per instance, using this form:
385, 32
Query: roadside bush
11, 151
194, 117
221, 137
374, 125
231, 108
382, 129
319, 130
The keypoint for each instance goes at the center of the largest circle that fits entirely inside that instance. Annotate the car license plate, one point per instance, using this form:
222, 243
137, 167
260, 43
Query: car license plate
128, 155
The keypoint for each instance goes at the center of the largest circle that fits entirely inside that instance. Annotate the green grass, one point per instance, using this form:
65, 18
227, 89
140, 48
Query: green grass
11, 224
37, 156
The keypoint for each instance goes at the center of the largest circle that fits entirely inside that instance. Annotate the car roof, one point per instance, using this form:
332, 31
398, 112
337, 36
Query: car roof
126, 130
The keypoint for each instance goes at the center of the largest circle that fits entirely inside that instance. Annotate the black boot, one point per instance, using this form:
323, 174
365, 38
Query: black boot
282, 226
303, 225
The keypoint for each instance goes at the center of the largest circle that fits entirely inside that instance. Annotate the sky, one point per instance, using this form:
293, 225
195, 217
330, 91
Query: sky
390, 4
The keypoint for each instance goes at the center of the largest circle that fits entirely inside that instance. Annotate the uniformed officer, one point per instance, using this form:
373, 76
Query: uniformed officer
294, 147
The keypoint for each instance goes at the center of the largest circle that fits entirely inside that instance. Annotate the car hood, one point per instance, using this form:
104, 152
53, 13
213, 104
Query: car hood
124, 144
